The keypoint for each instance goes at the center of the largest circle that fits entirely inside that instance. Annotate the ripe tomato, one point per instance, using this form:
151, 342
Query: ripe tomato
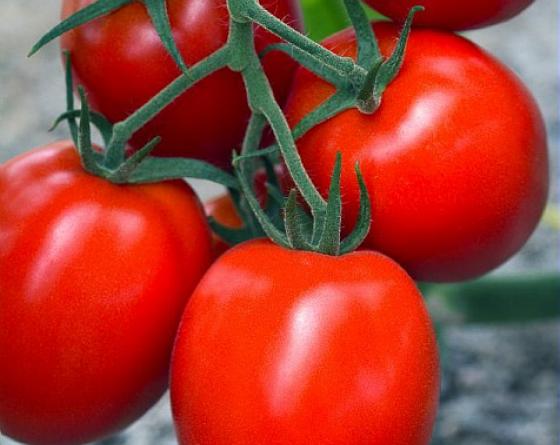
453, 15
455, 158
94, 279
121, 62
304, 348
224, 212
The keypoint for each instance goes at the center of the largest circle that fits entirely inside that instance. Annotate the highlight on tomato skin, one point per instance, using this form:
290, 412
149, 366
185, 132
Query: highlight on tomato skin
458, 15
455, 157
121, 72
94, 279
301, 348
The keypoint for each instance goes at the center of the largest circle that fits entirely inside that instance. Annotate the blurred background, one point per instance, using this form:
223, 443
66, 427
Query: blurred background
500, 339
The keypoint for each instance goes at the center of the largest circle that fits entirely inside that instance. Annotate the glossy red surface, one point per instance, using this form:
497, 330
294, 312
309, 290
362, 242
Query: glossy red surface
455, 159
452, 15
93, 279
291, 347
122, 63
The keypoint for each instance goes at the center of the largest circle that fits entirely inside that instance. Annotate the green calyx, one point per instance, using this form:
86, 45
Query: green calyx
382, 72
319, 231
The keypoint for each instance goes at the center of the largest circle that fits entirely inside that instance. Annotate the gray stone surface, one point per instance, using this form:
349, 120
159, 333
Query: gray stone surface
500, 384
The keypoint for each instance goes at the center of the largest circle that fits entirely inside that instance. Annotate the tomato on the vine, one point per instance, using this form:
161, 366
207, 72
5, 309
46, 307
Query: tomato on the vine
455, 158
304, 348
121, 62
452, 15
94, 279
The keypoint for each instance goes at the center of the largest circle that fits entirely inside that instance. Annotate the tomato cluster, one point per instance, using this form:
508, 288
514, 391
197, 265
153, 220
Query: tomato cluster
108, 289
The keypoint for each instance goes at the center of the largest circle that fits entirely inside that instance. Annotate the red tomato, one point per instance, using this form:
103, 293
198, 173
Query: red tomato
453, 15
94, 278
224, 212
121, 63
303, 348
455, 159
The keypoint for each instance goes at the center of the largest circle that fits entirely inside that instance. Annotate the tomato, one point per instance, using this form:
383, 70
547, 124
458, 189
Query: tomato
222, 209
224, 212
304, 348
121, 62
94, 278
455, 158
452, 15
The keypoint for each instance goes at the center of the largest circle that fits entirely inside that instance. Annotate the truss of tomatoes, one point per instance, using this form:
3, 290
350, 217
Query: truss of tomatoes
274, 346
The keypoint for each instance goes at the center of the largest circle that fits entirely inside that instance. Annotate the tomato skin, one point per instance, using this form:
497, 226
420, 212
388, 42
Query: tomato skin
304, 348
455, 159
223, 211
121, 63
452, 15
94, 278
